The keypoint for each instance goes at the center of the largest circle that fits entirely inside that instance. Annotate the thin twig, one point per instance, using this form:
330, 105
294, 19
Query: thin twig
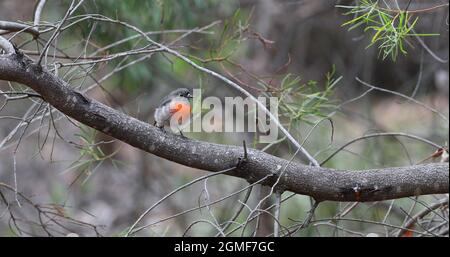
391, 134
10, 26
308, 218
276, 227
38, 12
199, 207
131, 230
238, 212
71, 9
203, 221
406, 97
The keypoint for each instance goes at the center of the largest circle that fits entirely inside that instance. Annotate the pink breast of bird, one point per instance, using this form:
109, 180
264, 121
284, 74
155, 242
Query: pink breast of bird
179, 109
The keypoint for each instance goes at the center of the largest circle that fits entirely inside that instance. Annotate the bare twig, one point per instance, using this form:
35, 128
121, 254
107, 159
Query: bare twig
10, 26
429, 9
391, 134
203, 221
210, 203
308, 218
16, 128
276, 227
239, 211
50, 220
37, 13
131, 230
71, 9
406, 97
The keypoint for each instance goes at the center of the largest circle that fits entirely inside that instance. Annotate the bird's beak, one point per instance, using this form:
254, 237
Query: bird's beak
189, 96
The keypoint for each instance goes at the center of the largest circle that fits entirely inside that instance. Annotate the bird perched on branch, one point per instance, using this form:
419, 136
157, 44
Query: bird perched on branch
173, 107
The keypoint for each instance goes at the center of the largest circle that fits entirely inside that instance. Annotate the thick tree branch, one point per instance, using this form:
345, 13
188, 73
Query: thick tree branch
320, 183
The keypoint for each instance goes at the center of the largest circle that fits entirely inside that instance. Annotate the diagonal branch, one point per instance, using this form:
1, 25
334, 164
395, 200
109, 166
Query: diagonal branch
320, 183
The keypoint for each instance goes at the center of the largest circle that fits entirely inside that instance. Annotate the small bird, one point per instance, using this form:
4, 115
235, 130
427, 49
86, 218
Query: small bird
175, 103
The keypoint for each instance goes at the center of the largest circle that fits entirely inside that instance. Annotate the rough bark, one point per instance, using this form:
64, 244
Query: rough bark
320, 183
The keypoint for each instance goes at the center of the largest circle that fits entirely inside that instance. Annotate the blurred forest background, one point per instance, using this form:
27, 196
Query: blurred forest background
261, 44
